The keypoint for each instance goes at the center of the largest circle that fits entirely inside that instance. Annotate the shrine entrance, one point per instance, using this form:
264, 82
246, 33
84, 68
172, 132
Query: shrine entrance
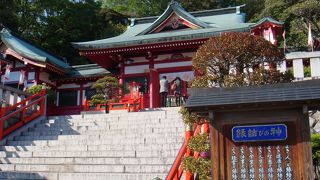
259, 132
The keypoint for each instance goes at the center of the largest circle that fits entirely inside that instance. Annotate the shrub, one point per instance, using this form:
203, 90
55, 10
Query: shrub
37, 89
199, 143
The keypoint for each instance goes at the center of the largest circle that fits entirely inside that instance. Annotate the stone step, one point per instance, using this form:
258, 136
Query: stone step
116, 118
106, 135
94, 128
67, 130
118, 145
79, 176
121, 124
86, 168
87, 160
114, 147
115, 140
48, 132
106, 153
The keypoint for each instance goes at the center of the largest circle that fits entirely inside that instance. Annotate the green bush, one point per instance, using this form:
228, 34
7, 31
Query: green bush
315, 143
97, 99
37, 89
189, 164
199, 143
201, 166
307, 71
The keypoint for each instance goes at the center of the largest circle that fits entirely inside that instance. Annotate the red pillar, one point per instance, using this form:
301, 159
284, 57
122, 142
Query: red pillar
154, 89
121, 72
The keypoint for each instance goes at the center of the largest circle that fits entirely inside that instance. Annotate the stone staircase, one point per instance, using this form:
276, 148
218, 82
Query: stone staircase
139, 146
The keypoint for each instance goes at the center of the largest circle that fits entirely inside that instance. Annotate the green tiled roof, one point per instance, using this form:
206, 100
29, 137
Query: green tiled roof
212, 22
176, 8
267, 19
30, 51
87, 70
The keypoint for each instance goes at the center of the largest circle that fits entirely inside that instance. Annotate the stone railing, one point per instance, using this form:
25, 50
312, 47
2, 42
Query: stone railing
11, 96
304, 65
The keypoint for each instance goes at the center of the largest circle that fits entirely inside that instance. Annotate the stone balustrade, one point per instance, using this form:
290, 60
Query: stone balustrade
299, 62
11, 95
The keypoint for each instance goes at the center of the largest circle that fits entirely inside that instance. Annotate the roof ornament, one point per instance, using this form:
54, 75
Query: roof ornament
173, 2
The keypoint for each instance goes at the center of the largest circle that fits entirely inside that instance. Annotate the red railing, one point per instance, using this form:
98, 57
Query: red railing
15, 116
176, 170
132, 105
97, 107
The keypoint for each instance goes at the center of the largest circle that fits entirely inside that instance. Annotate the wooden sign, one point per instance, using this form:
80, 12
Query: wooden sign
268, 132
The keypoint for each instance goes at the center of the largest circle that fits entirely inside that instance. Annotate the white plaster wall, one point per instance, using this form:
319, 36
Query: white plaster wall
89, 84
78, 98
13, 77
140, 59
31, 75
83, 97
163, 56
174, 64
44, 76
168, 56
135, 69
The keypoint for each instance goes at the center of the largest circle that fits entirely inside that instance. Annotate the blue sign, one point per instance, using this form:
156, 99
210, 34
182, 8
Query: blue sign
270, 132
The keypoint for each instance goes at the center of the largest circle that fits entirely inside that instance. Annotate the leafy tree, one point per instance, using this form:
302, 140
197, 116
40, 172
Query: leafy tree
296, 14
8, 16
227, 60
36, 89
53, 24
137, 8
107, 89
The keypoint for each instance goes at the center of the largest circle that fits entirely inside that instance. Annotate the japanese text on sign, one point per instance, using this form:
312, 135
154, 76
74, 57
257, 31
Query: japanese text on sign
270, 132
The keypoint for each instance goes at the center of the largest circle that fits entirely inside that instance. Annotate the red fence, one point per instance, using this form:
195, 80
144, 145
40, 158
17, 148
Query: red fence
15, 116
176, 170
131, 105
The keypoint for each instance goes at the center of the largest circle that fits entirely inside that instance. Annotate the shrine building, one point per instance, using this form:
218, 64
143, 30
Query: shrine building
150, 48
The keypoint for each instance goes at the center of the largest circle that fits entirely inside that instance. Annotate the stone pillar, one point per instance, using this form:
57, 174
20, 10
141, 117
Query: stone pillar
282, 67
298, 68
315, 64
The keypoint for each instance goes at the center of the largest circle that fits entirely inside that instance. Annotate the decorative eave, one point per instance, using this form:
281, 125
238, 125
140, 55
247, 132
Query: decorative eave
201, 13
174, 8
143, 48
27, 52
266, 23
162, 41
55, 69
77, 79
48, 66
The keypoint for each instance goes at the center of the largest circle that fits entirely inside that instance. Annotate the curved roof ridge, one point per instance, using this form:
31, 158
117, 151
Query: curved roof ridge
210, 12
174, 7
267, 19
29, 50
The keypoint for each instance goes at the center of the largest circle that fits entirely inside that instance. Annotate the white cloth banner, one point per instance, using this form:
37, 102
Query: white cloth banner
185, 76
